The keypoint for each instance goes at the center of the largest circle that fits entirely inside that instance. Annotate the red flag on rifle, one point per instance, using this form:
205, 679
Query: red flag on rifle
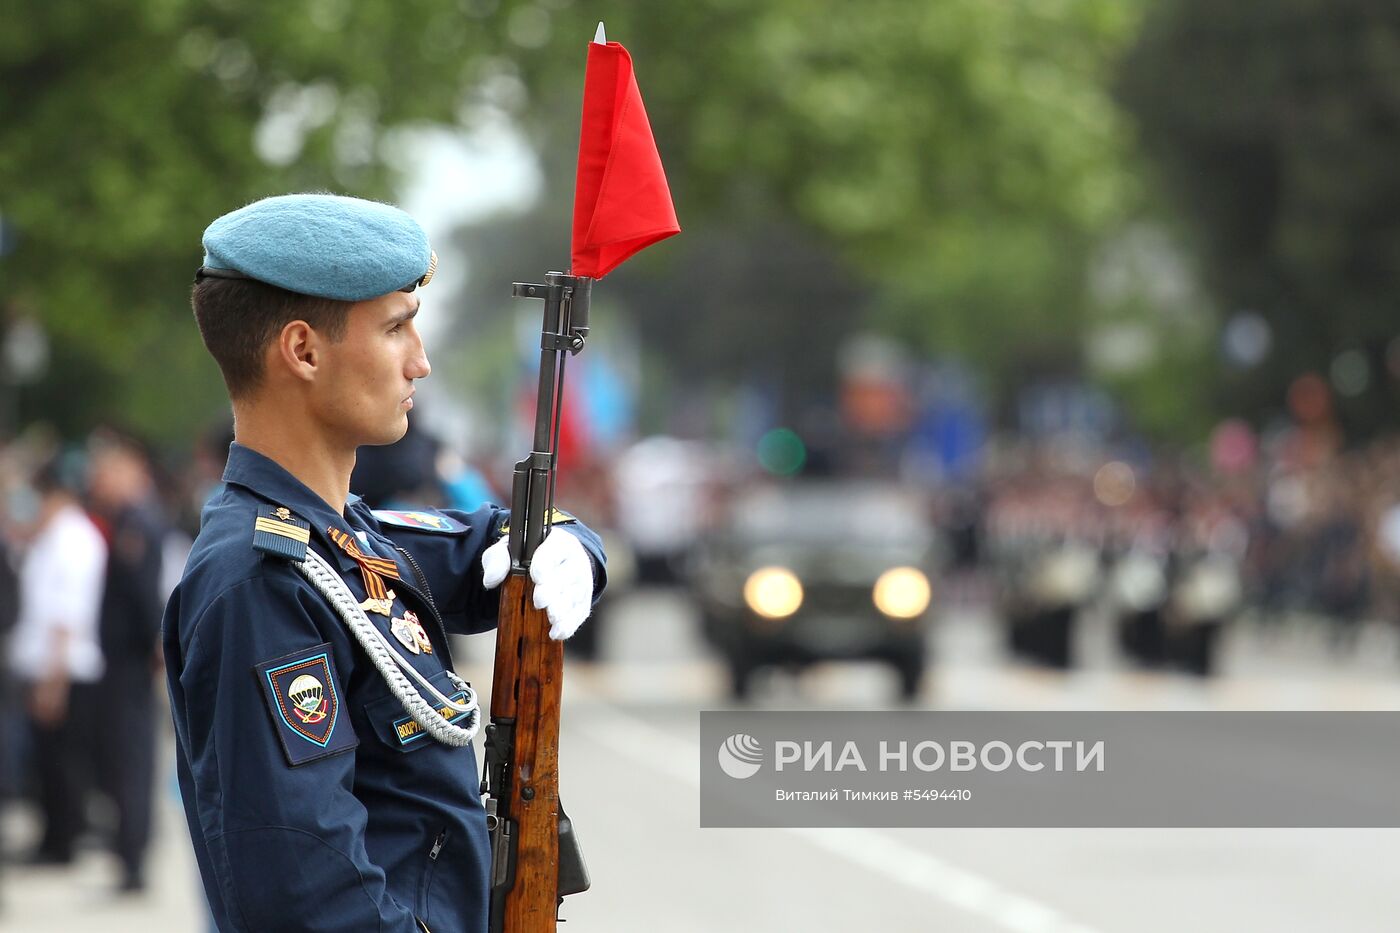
622, 204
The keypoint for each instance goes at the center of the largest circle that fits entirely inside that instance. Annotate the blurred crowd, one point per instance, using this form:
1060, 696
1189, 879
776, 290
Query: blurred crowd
1175, 550
94, 537
86, 535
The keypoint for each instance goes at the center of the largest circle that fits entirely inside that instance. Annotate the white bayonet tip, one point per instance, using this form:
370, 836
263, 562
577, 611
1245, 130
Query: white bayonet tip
600, 37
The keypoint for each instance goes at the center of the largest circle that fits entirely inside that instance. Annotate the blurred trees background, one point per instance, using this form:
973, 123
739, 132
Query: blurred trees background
126, 128
1276, 130
964, 177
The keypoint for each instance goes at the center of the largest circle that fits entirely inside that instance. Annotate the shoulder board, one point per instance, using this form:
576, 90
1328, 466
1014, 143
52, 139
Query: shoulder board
277, 531
422, 520
556, 517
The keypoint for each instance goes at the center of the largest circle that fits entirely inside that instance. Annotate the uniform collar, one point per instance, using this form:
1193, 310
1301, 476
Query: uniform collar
269, 480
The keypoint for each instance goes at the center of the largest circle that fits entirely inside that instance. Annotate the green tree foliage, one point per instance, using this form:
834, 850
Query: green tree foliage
125, 128
1276, 127
959, 158
963, 156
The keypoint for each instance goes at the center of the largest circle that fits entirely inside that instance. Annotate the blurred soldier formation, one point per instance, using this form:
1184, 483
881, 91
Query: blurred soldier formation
1174, 553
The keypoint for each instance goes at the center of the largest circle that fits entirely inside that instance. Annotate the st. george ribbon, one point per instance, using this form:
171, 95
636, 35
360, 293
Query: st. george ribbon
622, 205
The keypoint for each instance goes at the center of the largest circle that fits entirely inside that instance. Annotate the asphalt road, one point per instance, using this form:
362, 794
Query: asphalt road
630, 782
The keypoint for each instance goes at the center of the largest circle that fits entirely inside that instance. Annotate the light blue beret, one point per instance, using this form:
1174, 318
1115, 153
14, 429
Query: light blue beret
325, 245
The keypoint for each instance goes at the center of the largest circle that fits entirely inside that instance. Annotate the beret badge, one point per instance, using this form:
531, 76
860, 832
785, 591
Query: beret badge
432, 269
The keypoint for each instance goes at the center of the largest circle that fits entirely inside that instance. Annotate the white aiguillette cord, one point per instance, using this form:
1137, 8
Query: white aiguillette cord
391, 664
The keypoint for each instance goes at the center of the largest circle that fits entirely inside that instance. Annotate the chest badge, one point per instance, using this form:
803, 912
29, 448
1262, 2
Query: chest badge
384, 607
410, 632
405, 634
420, 634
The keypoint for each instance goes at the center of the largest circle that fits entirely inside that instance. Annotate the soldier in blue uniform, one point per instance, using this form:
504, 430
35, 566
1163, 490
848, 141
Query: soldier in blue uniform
323, 742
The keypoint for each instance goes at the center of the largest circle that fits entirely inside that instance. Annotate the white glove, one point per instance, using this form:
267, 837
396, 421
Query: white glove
563, 575
495, 563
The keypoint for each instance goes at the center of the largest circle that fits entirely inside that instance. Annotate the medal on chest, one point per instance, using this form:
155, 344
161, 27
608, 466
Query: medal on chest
401, 630
384, 607
407, 629
373, 570
411, 634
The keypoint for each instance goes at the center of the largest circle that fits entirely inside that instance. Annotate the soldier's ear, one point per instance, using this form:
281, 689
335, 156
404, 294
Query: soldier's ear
298, 349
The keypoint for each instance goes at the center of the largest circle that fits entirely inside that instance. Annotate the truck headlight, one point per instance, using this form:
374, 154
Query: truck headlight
902, 593
773, 592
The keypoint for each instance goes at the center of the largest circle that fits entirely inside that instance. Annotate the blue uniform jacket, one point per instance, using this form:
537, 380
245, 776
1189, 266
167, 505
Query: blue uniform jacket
313, 800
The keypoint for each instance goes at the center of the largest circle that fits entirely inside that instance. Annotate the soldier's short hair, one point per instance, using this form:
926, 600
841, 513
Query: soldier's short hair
238, 318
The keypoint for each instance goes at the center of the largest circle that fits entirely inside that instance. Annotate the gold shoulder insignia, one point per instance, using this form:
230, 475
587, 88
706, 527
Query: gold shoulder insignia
277, 531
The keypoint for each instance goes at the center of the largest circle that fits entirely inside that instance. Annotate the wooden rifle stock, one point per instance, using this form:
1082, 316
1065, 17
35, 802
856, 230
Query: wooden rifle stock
526, 691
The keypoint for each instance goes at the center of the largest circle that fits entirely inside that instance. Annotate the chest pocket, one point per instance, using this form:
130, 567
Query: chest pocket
397, 729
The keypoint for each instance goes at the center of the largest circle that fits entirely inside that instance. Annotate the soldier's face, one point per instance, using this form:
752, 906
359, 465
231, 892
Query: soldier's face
368, 389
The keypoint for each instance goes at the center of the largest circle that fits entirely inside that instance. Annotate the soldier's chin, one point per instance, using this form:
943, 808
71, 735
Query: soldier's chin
391, 435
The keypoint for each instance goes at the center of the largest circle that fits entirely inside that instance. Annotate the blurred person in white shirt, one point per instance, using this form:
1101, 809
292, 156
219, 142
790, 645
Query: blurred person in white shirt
55, 654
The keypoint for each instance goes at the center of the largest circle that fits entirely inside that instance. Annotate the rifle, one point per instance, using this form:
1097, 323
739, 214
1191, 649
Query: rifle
535, 856
621, 205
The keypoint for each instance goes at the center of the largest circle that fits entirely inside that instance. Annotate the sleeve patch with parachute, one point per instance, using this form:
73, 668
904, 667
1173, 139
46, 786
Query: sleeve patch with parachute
304, 701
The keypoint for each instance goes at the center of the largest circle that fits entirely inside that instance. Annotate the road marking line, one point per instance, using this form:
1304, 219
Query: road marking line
871, 849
